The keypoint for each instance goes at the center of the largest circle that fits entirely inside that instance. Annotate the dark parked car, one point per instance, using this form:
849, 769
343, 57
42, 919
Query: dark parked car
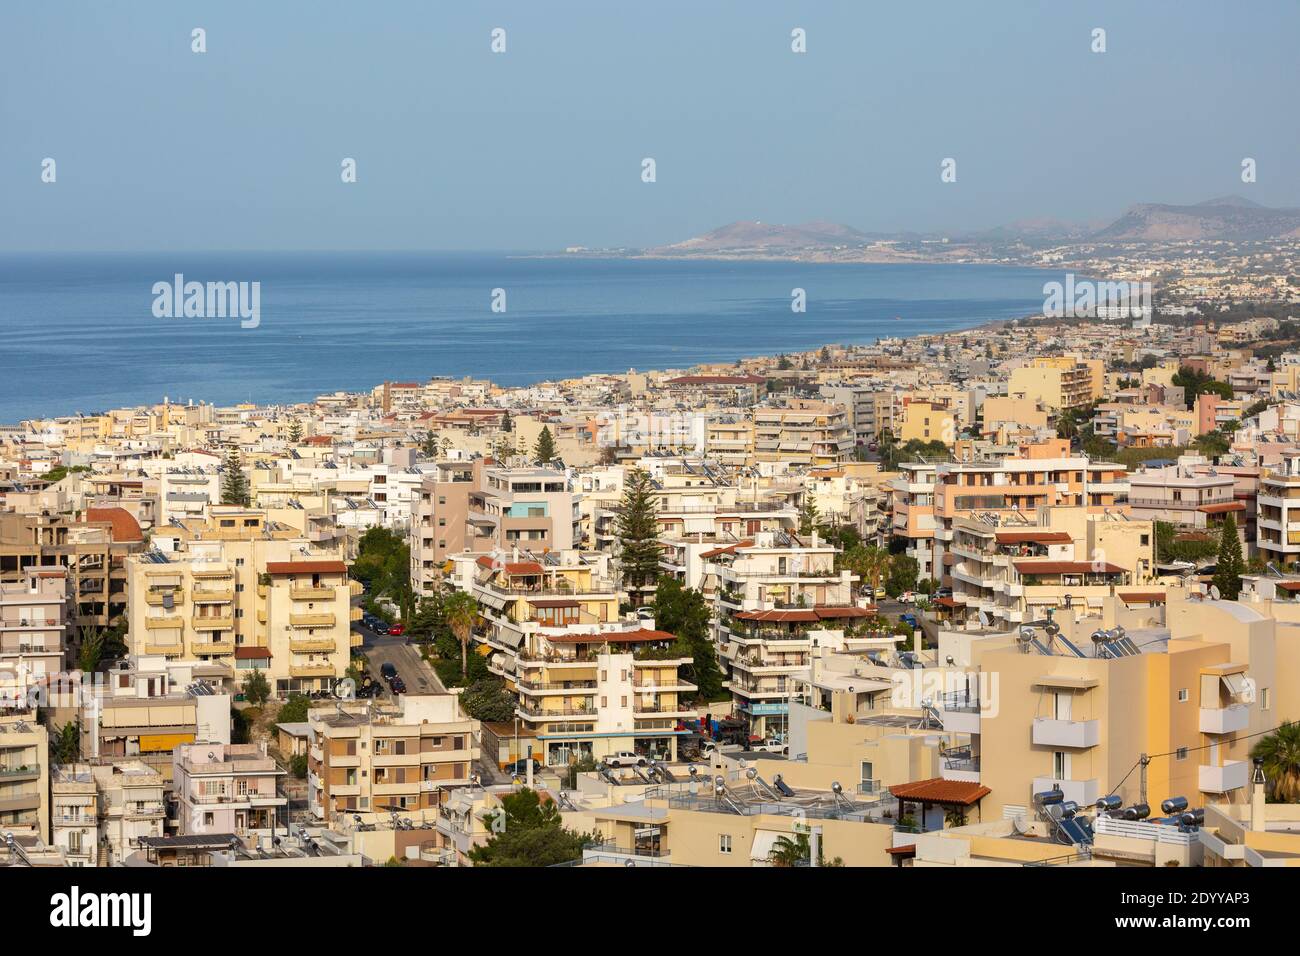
520, 767
397, 685
387, 670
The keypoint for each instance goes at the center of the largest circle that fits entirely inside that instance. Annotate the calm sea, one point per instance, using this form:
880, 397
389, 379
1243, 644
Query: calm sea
78, 333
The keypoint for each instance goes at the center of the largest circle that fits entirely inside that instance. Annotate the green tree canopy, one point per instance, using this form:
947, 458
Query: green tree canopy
528, 832
638, 533
544, 449
1227, 576
1280, 753
684, 612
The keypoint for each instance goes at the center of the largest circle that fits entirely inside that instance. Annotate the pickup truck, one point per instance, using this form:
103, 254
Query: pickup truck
625, 758
772, 747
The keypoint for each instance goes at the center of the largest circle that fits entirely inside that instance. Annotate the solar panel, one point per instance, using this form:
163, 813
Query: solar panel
1070, 645
1073, 830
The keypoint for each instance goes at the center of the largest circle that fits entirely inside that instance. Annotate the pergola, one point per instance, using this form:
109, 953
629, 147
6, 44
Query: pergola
939, 792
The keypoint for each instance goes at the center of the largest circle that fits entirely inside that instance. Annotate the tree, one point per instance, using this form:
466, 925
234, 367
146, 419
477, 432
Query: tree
902, 574
257, 690
294, 710
429, 445
295, 431
684, 612
638, 533
65, 743
808, 515
1227, 577
101, 645
797, 852
544, 450
869, 563
298, 765
383, 564
234, 484
461, 612
1280, 753
528, 832
488, 699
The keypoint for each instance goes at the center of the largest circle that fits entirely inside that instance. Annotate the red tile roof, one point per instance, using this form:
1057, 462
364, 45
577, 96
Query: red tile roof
1032, 566
641, 636
939, 790
1143, 597
1221, 507
124, 527
523, 567
728, 549
1032, 537
252, 654
783, 617
833, 612
306, 567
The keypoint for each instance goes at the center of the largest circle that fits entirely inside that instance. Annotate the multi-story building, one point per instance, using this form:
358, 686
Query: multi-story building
769, 592
803, 432
589, 683
227, 788
24, 775
1059, 382
1277, 515
101, 811
33, 631
245, 591
1182, 496
363, 759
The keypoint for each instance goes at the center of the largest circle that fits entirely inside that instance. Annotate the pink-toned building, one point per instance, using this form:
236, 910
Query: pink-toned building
227, 788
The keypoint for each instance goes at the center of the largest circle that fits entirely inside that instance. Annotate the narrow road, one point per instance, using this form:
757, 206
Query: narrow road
383, 649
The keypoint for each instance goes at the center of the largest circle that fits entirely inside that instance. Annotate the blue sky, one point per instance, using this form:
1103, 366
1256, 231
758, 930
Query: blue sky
539, 148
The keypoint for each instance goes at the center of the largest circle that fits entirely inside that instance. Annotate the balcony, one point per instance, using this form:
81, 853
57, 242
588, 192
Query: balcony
1082, 792
212, 595
20, 773
311, 670
312, 644
1224, 720
311, 620
157, 623
156, 598
1233, 775
225, 623
1066, 733
200, 648
168, 650
311, 594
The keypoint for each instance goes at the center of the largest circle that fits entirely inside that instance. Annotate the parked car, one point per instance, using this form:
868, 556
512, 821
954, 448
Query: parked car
625, 758
397, 629
387, 670
943, 592
908, 619
520, 767
380, 628
397, 685
772, 746
907, 597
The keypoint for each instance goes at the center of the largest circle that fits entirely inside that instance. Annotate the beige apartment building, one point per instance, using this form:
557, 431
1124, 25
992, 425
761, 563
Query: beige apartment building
1277, 516
101, 811
804, 432
24, 775
366, 759
242, 590
1060, 382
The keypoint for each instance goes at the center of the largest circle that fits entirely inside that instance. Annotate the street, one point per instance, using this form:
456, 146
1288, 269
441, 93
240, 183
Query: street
383, 649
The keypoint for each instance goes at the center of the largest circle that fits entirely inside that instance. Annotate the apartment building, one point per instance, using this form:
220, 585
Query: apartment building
33, 631
1058, 382
442, 524
589, 683
186, 492
1184, 495
1005, 571
1079, 710
227, 788
870, 410
93, 552
102, 811
729, 439
24, 775
243, 590
1277, 515
912, 499
772, 593
804, 432
366, 759
926, 421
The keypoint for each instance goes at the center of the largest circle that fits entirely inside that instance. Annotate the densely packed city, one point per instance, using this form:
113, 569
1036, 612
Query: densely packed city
1026, 595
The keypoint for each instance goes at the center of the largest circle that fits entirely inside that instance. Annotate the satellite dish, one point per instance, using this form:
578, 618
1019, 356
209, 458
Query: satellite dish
1214, 592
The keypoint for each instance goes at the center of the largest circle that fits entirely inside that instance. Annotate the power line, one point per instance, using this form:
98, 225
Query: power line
1150, 757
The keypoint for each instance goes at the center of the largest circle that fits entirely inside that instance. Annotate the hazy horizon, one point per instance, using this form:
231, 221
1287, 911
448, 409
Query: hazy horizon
538, 148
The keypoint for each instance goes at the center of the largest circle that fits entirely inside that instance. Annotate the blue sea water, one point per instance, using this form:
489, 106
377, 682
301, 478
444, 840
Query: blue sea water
78, 332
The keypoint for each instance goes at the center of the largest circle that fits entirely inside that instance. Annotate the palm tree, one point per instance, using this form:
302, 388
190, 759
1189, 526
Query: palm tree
787, 852
1280, 752
460, 611
869, 563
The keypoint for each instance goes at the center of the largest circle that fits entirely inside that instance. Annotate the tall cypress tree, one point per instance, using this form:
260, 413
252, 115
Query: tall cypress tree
638, 534
1227, 577
234, 484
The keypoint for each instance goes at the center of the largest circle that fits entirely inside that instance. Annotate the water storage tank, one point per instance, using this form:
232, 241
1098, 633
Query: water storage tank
1173, 805
1110, 803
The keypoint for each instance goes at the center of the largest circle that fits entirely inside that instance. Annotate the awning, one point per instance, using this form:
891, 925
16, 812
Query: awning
1235, 683
484, 650
764, 841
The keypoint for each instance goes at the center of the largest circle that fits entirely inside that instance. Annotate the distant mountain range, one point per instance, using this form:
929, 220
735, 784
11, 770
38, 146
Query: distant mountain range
1229, 217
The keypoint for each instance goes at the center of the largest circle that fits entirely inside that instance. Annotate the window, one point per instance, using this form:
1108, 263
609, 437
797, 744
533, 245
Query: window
1180, 753
1264, 698
724, 843
1182, 695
